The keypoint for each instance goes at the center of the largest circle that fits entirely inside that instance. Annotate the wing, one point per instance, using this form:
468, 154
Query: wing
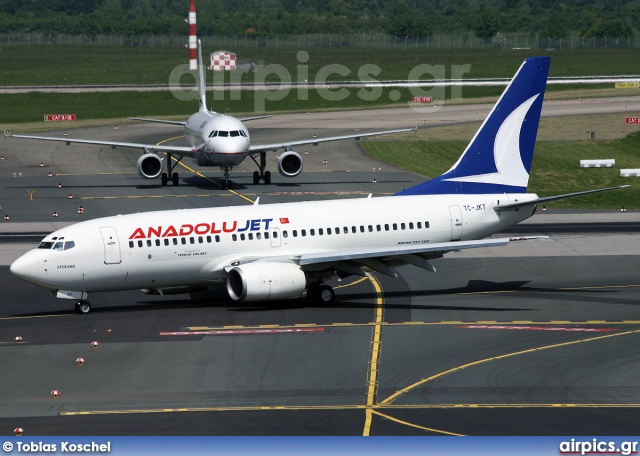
184, 151
247, 119
315, 141
351, 261
170, 122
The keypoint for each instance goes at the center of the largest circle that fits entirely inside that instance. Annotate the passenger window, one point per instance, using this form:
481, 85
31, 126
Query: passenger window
410, 225
148, 242
386, 227
328, 230
234, 237
192, 240
175, 241
303, 232
218, 238
208, 239
378, 228
131, 244
419, 224
250, 235
370, 228
139, 243
295, 233
157, 242
320, 231
337, 230
184, 241
242, 237
312, 232
426, 224
353, 229
345, 230
258, 236
166, 241
402, 226
395, 226
285, 234
362, 228
69, 245
200, 240
266, 235
275, 234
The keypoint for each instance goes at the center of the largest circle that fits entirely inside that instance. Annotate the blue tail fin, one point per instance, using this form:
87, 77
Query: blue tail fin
498, 158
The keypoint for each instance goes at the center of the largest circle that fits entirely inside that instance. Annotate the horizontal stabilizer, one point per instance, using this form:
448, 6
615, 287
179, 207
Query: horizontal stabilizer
553, 198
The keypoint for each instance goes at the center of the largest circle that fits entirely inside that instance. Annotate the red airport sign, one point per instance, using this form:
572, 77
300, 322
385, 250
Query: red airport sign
58, 117
422, 99
633, 120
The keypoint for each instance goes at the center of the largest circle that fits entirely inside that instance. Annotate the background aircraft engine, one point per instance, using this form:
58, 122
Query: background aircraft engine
265, 281
149, 166
290, 164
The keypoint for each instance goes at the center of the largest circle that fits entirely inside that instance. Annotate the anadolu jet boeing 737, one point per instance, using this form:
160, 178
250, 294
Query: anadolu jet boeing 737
278, 251
213, 139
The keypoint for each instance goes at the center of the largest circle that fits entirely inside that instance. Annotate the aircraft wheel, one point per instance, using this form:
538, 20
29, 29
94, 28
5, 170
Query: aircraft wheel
164, 179
322, 294
256, 177
267, 177
175, 180
83, 307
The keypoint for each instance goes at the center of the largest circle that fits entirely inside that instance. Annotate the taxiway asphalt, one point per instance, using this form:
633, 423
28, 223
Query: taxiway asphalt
532, 339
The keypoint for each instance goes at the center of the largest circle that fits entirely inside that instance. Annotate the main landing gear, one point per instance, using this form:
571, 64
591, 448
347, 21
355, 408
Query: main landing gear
261, 175
321, 294
83, 307
170, 175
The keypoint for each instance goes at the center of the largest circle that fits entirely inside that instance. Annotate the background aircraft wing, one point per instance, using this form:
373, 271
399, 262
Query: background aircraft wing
171, 122
246, 119
315, 141
184, 151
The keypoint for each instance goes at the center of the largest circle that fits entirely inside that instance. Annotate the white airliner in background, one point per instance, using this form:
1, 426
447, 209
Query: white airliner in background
279, 251
213, 139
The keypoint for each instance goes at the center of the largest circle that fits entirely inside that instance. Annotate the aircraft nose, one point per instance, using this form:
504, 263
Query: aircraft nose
24, 268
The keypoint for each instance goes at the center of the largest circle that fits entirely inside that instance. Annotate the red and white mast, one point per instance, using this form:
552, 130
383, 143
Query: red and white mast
193, 45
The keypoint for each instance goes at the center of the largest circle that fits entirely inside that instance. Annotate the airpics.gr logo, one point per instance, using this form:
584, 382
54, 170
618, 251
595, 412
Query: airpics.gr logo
596, 446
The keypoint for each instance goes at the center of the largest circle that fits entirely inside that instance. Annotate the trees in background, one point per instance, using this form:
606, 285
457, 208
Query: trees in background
400, 18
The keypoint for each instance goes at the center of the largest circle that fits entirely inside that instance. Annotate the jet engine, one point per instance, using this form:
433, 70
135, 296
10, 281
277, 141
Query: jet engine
149, 166
265, 281
290, 163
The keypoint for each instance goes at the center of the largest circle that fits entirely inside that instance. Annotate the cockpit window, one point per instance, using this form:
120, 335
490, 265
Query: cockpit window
213, 134
69, 245
243, 133
235, 133
58, 246
223, 133
45, 245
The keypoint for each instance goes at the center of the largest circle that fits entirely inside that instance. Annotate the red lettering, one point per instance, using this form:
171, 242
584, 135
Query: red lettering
186, 230
154, 232
171, 231
213, 229
202, 228
226, 230
137, 234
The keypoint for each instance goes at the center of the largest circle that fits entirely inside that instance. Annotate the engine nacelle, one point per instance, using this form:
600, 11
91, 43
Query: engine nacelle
290, 164
265, 281
149, 166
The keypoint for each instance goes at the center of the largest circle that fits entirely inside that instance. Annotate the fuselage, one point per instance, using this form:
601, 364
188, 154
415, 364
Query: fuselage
193, 247
218, 140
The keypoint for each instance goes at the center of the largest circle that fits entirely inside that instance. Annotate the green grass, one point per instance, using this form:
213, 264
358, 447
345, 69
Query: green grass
555, 168
86, 65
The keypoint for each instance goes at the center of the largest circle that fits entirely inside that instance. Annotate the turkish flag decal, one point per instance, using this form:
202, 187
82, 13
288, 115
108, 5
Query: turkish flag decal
284, 220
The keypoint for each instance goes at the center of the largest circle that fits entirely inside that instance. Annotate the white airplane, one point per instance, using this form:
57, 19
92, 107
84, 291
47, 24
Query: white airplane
213, 139
279, 251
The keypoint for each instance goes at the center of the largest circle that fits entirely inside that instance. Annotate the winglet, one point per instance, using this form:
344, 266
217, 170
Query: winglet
201, 81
